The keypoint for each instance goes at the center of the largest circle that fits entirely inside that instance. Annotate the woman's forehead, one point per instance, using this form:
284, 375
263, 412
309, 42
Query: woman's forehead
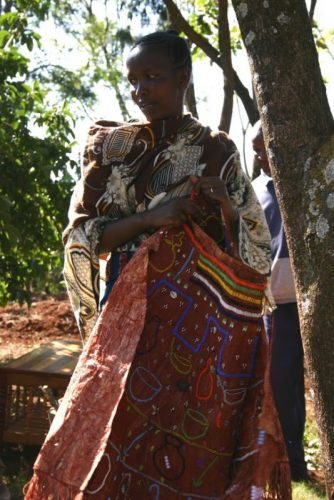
148, 56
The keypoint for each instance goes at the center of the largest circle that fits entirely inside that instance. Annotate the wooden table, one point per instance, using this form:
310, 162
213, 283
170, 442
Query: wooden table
30, 388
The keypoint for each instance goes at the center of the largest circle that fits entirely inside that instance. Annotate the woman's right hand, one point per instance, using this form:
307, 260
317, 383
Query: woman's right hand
173, 213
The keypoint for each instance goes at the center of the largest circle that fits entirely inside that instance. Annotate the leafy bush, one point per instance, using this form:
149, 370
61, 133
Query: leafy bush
35, 144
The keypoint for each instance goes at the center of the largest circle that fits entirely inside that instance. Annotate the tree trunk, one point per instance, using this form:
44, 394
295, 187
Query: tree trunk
298, 130
225, 50
121, 103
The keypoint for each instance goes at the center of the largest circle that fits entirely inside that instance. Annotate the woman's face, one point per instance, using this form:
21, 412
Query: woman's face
157, 87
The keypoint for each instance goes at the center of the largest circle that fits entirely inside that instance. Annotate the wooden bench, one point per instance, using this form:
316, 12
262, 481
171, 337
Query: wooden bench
30, 388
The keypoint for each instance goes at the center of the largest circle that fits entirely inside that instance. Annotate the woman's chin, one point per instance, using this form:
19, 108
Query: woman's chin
153, 115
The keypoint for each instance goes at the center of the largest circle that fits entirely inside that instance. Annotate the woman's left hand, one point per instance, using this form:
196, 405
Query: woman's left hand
213, 188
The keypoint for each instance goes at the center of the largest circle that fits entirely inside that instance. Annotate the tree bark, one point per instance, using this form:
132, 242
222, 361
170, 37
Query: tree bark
121, 103
182, 25
298, 131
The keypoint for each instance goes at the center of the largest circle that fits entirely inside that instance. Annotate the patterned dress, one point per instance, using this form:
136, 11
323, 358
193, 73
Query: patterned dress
170, 398
161, 155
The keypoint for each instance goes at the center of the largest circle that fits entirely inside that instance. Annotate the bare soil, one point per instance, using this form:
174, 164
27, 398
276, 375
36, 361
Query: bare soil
23, 328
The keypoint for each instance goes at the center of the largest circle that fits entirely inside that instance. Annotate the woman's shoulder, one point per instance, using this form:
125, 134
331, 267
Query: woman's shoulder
219, 154
219, 144
107, 126
223, 140
111, 139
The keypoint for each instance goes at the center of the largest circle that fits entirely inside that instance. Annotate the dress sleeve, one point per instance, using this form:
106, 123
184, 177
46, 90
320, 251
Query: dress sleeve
253, 235
82, 272
83, 233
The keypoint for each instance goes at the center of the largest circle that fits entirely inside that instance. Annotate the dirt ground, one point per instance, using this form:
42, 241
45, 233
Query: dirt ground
24, 328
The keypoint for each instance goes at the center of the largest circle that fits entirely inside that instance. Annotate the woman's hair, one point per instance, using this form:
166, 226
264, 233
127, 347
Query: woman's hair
257, 129
175, 47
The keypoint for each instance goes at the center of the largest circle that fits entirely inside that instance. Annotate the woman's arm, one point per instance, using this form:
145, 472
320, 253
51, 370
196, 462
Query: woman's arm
172, 213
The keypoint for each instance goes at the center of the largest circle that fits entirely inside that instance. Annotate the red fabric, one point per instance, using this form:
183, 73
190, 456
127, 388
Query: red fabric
78, 435
171, 397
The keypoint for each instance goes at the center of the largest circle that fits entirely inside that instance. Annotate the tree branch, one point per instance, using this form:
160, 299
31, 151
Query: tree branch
190, 98
214, 55
46, 66
312, 9
225, 50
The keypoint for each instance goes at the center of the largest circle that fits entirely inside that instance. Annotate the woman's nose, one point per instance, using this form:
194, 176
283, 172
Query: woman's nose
140, 89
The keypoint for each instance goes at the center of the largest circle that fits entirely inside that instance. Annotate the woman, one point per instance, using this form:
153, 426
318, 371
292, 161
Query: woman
168, 399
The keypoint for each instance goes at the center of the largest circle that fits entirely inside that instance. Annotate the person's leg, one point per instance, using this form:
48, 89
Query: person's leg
287, 372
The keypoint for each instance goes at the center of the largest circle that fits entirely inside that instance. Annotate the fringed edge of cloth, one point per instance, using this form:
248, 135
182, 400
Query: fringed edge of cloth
279, 484
277, 487
57, 474
265, 474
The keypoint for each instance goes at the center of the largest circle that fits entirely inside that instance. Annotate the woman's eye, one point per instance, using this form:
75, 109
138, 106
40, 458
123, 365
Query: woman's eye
132, 81
151, 76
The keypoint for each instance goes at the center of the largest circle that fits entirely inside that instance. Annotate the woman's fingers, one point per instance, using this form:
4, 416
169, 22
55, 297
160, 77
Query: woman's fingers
212, 188
193, 210
175, 212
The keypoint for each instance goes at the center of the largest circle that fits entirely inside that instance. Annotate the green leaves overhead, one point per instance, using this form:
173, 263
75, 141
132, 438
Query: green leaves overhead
94, 29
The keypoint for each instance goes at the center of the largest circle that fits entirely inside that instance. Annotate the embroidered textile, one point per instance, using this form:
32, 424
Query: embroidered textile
191, 415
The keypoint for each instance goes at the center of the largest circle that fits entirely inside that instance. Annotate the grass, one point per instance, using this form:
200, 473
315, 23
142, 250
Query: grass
306, 491
312, 445
310, 491
19, 461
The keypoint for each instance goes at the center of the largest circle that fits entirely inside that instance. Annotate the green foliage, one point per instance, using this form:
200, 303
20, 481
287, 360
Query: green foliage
96, 31
312, 445
146, 11
71, 86
310, 491
323, 39
203, 17
35, 185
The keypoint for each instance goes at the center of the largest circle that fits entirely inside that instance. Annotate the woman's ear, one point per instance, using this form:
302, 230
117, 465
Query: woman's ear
184, 77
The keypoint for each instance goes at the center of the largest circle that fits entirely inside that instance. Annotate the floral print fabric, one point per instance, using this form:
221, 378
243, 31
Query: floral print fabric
116, 157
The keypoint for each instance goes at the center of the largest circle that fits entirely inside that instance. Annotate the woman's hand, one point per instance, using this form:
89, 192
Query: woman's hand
173, 213
212, 188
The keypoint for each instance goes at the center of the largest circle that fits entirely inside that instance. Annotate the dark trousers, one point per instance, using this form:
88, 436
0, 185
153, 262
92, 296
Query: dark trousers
287, 373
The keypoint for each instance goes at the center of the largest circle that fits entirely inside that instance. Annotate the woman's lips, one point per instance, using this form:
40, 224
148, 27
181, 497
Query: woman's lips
145, 105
